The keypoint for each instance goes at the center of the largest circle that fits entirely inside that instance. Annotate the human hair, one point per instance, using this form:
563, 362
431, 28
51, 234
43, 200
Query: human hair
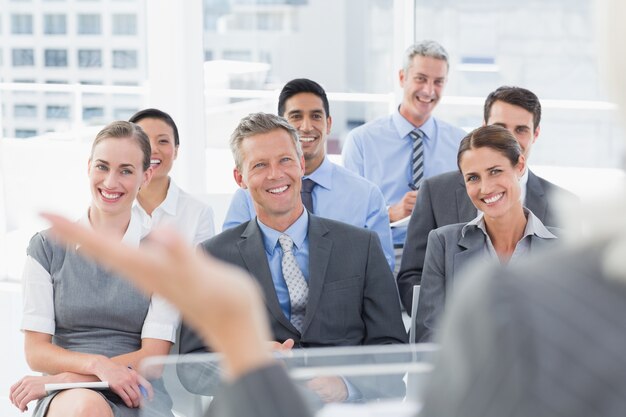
493, 137
122, 129
301, 85
426, 48
156, 114
258, 124
515, 96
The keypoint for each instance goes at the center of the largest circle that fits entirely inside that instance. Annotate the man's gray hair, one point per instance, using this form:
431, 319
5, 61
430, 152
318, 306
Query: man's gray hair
258, 124
426, 48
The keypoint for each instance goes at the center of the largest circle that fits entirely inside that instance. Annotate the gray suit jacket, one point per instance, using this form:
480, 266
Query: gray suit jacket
443, 200
543, 339
448, 253
353, 299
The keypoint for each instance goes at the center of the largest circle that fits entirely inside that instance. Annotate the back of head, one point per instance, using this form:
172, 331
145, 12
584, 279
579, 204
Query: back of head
301, 85
426, 48
122, 129
259, 124
515, 96
493, 137
156, 114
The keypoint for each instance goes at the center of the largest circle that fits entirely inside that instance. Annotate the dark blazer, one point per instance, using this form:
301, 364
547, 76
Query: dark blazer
353, 299
448, 253
443, 200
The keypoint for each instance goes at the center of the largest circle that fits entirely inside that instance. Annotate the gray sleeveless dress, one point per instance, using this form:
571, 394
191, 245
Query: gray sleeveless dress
96, 312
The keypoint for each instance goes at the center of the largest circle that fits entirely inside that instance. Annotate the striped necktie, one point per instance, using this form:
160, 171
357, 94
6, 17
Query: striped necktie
417, 161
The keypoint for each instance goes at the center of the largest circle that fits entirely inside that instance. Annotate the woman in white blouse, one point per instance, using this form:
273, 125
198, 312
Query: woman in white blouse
83, 323
162, 201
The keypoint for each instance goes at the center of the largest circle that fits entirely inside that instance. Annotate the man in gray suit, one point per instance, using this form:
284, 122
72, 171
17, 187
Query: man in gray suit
344, 294
442, 199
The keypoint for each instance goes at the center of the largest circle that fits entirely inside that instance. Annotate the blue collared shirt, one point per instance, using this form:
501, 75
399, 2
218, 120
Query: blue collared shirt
298, 233
381, 151
339, 195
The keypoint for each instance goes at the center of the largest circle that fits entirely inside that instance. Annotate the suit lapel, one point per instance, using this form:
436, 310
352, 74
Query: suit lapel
319, 256
535, 197
471, 243
252, 251
464, 207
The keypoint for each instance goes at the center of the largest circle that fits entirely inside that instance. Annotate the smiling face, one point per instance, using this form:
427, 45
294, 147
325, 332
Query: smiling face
164, 150
516, 120
491, 181
305, 112
115, 175
272, 171
423, 84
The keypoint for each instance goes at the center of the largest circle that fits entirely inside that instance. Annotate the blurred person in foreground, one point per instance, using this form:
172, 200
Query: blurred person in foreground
491, 162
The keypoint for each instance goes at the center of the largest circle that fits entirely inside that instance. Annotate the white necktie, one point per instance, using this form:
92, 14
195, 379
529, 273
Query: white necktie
296, 284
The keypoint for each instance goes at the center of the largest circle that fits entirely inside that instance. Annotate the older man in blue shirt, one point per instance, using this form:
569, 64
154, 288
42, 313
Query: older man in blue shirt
397, 152
335, 192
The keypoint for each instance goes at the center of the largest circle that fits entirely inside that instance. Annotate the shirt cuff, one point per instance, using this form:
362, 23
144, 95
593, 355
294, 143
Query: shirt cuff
38, 324
159, 331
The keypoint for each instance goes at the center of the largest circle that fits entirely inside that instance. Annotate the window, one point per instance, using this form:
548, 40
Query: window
57, 112
90, 113
124, 24
24, 111
25, 133
123, 113
55, 57
23, 57
54, 24
125, 59
22, 24
89, 58
89, 24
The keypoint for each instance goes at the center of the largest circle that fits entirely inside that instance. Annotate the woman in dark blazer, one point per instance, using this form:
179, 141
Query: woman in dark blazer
492, 164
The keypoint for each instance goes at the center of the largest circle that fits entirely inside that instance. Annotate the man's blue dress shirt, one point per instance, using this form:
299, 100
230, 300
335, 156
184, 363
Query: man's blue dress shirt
298, 233
381, 152
339, 195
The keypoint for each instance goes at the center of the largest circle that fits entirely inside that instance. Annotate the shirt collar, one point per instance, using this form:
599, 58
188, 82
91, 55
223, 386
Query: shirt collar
404, 127
135, 232
523, 181
297, 232
534, 227
323, 175
170, 204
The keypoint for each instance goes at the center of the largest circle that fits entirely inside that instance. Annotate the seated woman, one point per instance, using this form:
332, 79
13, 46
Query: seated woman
82, 322
161, 201
492, 163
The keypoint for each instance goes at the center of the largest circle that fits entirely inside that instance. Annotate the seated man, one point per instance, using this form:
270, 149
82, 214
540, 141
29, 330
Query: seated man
326, 283
443, 200
329, 190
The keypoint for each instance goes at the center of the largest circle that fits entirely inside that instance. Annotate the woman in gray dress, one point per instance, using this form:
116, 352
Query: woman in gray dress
492, 163
82, 322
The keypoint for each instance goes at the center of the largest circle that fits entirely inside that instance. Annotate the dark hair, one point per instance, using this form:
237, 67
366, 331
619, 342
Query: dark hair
156, 114
494, 137
123, 129
516, 96
301, 85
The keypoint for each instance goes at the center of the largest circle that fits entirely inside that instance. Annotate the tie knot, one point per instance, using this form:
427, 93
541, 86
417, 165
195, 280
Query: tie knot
307, 185
286, 243
416, 134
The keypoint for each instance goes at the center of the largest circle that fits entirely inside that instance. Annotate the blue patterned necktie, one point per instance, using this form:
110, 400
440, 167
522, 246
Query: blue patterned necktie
417, 161
296, 284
